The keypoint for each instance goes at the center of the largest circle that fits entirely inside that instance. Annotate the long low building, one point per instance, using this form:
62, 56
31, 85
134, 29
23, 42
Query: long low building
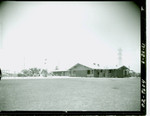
80, 70
60, 73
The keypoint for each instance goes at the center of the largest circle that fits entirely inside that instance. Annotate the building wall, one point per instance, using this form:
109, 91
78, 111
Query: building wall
111, 73
119, 73
78, 73
114, 73
96, 73
83, 71
61, 73
123, 72
101, 73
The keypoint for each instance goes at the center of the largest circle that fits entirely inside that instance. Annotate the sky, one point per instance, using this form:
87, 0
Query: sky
66, 33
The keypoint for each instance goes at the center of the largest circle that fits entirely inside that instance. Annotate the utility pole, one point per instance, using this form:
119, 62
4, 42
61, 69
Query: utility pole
24, 62
45, 62
120, 56
45, 65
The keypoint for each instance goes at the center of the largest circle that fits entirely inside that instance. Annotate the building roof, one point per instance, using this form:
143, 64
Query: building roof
91, 66
98, 66
58, 70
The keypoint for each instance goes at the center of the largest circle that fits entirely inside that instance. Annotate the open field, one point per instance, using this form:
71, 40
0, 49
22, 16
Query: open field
70, 94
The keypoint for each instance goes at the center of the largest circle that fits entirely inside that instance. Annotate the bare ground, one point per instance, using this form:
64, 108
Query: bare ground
70, 94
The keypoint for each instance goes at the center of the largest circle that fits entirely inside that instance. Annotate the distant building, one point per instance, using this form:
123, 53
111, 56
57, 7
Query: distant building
60, 73
80, 70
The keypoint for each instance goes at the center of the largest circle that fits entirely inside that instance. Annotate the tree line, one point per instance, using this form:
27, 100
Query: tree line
33, 72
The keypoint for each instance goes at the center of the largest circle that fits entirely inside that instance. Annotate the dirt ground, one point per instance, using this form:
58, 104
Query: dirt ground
70, 94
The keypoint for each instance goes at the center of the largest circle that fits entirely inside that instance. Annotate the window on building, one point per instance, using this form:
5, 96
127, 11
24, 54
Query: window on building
88, 71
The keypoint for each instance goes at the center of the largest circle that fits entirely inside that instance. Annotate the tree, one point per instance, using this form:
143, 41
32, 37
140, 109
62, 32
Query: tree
20, 75
30, 72
25, 73
34, 71
44, 72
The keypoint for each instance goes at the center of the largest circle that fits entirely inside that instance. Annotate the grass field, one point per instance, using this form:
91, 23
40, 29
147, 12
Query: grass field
70, 94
